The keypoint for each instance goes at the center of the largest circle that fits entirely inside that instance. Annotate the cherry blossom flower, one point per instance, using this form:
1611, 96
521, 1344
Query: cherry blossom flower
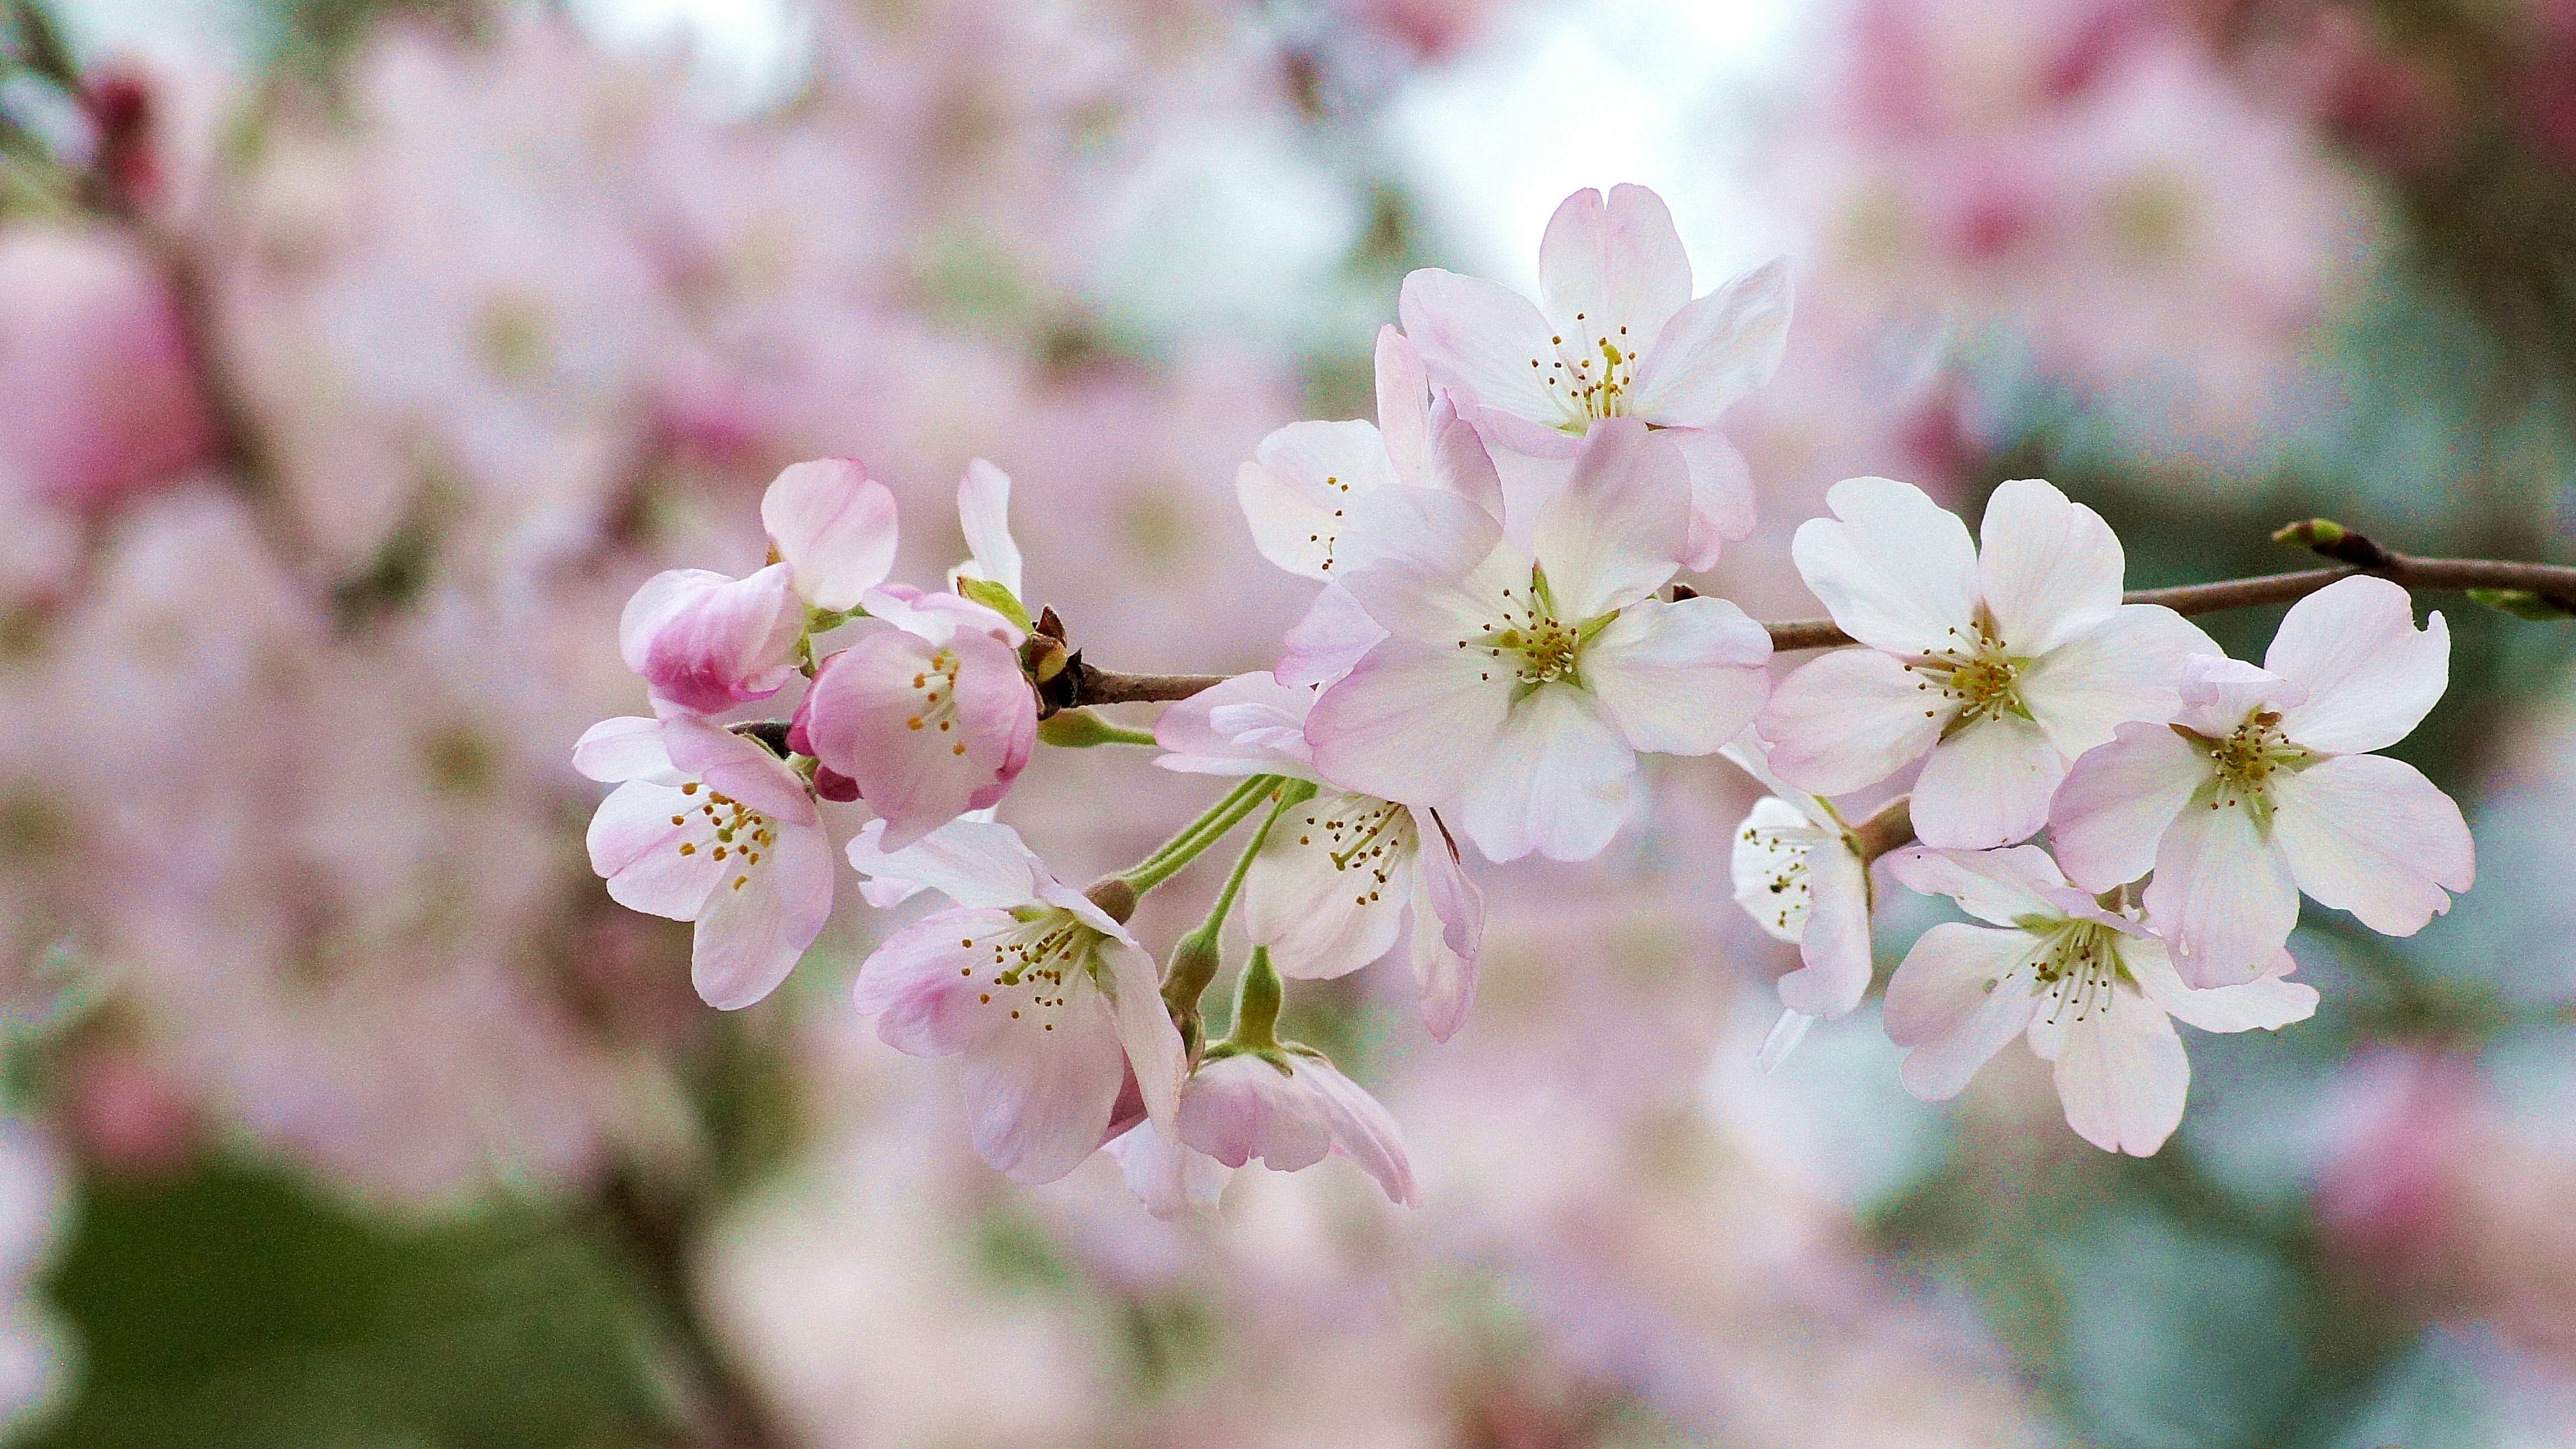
2094, 990
2264, 786
928, 711
705, 642
1045, 995
1616, 334
1518, 686
2000, 666
1800, 874
1290, 1113
1336, 876
706, 825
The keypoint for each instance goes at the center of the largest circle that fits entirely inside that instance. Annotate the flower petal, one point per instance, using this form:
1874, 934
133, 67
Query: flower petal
1716, 350
1248, 725
2050, 567
1611, 272
921, 983
1987, 785
2371, 675
2118, 800
1403, 405
2370, 835
1430, 565
1167, 1177
1297, 490
2267, 1002
1335, 634
1556, 780
1411, 722
626, 748
1616, 532
1775, 848
979, 864
1238, 1108
1487, 339
834, 527
707, 643
2001, 886
1328, 889
739, 766
1721, 486
1850, 719
635, 847
1958, 996
1039, 1101
2222, 895
2122, 1074
1361, 1129
1448, 936
984, 515
1897, 571
761, 917
1680, 678
2218, 693
2127, 668
1783, 1039
876, 714
1456, 460
1145, 1031
1835, 947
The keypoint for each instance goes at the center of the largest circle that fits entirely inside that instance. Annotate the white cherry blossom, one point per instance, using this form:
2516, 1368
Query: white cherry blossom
2093, 990
1995, 668
2263, 786
1799, 873
1616, 334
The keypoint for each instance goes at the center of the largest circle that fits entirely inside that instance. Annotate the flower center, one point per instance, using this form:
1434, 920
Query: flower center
1531, 642
1028, 966
726, 829
1973, 675
2078, 967
935, 699
1592, 377
1775, 870
1363, 835
2248, 758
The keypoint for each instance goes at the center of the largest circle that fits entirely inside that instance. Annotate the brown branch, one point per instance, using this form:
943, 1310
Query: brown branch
1104, 686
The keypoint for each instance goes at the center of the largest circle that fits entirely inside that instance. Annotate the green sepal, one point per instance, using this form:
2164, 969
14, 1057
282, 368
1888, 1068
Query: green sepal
1080, 729
1000, 600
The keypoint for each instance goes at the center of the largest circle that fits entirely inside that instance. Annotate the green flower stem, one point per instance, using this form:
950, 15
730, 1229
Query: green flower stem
1080, 729
1199, 834
1195, 958
1256, 1007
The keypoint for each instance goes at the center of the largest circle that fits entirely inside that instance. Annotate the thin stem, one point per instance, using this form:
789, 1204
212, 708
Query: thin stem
1292, 794
1103, 686
1194, 839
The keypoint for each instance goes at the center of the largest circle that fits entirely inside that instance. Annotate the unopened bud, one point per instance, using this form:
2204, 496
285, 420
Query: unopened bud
1043, 657
1080, 729
2311, 533
1194, 964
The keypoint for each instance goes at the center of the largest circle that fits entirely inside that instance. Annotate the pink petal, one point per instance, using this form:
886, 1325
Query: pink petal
984, 515
2218, 693
1987, 785
1335, 634
1450, 936
1835, 947
1167, 1177
1411, 722
2118, 800
1430, 565
880, 716
1680, 678
2050, 567
2267, 1002
2125, 669
1481, 337
1403, 405
1556, 780
1721, 485
834, 527
1613, 271
1958, 996
739, 766
2371, 835
635, 847
1361, 1129
1897, 572
981, 864
922, 982
1241, 1107
1456, 459
1297, 490
1616, 532
707, 643
1716, 350
2000, 886
1146, 1034
751, 934
2222, 895
626, 748
2371, 675
2123, 1076
1849, 719
1263, 729
1039, 1101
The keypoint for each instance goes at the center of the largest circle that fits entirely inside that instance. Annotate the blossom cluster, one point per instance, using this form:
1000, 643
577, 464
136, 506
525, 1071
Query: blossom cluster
1498, 637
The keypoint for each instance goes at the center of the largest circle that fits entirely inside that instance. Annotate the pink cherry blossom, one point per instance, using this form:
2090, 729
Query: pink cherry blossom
1046, 997
1616, 334
2264, 787
1337, 876
1996, 668
705, 642
2094, 991
1290, 1109
1516, 687
1800, 875
706, 825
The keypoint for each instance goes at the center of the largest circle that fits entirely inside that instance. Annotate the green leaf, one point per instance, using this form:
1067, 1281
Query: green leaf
2523, 604
998, 599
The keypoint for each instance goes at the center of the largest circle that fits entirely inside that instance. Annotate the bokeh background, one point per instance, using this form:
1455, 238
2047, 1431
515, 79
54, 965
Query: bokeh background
358, 358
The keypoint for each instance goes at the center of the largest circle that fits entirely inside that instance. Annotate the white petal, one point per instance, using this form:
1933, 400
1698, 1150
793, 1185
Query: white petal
1721, 485
2267, 1002
1555, 781
626, 748
1716, 350
1167, 1177
2218, 693
984, 516
1145, 1030
2371, 675
1484, 338
1249, 725
1774, 850
1297, 490
1835, 949
1850, 719
2117, 801
2126, 669
1361, 1129
1987, 785
1328, 890
2001, 886
1449, 935
1039, 1101
976, 863
1335, 634
1411, 722
1403, 405
2370, 835
2123, 1076
761, 917
1898, 571
2222, 895
1680, 678
2049, 566
739, 766
1958, 996
1614, 271
1748, 753
1615, 533
1431, 565
834, 527
635, 847
1457, 460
